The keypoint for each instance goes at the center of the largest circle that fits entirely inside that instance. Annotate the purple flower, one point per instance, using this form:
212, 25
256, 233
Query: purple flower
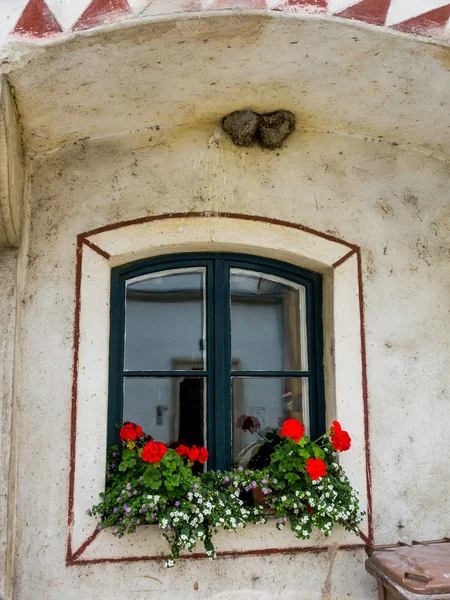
240, 468
115, 510
114, 453
140, 478
177, 504
99, 527
254, 484
153, 516
135, 492
265, 490
128, 486
285, 519
115, 530
275, 481
195, 487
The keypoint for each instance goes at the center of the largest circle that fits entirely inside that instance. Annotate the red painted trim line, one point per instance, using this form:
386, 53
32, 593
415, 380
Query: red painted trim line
87, 542
342, 260
73, 412
72, 558
96, 248
225, 215
365, 398
224, 554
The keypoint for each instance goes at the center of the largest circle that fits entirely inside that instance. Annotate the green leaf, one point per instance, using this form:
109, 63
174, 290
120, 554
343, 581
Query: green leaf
127, 453
318, 452
123, 465
151, 475
131, 462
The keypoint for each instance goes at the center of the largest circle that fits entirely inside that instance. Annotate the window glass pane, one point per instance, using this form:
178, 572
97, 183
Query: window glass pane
169, 409
268, 323
260, 406
165, 321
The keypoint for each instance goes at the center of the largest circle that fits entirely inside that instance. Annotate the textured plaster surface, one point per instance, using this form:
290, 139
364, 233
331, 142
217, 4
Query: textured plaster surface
8, 269
391, 202
332, 75
11, 169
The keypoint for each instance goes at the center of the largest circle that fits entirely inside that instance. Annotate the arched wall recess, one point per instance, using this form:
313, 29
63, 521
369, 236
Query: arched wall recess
101, 249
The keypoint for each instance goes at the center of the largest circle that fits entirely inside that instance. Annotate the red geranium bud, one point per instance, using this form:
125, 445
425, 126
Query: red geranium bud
316, 468
339, 438
182, 450
293, 429
153, 452
130, 431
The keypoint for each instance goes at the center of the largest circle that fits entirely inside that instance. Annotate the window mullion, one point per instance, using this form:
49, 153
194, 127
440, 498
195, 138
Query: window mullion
222, 364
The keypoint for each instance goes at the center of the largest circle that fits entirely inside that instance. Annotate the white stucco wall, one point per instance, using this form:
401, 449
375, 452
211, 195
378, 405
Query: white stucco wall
8, 268
391, 202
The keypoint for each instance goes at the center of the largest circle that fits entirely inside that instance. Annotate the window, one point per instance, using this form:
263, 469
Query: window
198, 341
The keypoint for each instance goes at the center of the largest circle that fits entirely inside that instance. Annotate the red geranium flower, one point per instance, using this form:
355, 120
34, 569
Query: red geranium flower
339, 438
153, 452
316, 468
130, 431
293, 429
182, 450
203, 455
194, 453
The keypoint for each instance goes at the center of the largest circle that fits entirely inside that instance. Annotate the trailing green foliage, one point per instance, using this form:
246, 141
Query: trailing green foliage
303, 485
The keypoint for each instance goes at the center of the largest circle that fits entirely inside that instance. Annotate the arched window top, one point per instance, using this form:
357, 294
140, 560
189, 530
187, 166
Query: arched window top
215, 349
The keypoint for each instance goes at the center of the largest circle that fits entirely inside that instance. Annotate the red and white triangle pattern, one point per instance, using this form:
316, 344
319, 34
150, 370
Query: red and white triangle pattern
43, 18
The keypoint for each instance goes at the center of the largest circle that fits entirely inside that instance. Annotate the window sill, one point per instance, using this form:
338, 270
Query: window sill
148, 543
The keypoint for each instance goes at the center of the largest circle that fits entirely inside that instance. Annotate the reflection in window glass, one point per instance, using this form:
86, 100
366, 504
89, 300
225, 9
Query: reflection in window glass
268, 322
165, 320
169, 409
260, 406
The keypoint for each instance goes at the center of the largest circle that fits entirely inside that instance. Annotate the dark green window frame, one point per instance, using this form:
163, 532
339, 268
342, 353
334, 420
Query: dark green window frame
218, 365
